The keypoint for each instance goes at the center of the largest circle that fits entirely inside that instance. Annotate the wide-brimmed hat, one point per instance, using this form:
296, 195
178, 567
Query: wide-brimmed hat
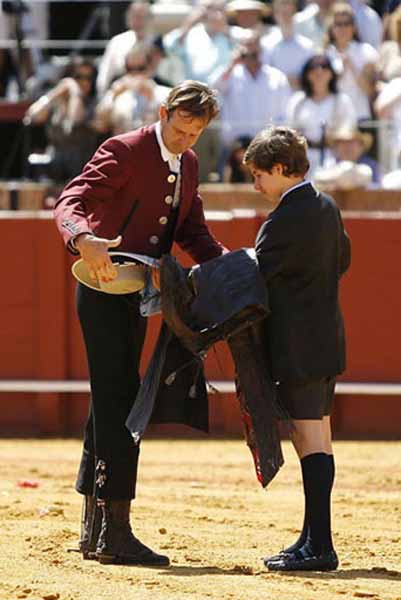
347, 134
131, 273
238, 5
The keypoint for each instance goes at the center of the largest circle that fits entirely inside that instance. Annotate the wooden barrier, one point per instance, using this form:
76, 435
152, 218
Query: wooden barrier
27, 195
41, 341
223, 197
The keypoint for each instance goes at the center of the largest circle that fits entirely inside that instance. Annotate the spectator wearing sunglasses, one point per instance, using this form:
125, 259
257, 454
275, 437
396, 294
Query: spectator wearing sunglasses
67, 110
354, 61
134, 99
319, 109
140, 29
314, 19
139, 21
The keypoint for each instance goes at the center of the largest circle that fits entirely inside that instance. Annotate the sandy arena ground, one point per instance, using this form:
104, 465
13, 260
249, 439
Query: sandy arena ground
200, 503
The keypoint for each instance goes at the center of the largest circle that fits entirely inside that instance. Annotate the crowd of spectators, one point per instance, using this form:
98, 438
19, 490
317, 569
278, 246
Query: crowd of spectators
329, 68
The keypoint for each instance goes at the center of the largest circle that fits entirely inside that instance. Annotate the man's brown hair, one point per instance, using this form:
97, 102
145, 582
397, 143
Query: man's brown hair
195, 98
278, 145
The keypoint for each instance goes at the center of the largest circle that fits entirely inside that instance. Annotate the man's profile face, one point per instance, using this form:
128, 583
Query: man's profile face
180, 130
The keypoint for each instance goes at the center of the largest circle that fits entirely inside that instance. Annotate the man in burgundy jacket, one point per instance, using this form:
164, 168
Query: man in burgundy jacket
126, 197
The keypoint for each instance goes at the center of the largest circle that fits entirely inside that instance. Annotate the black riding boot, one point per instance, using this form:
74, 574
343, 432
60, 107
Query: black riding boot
90, 527
117, 544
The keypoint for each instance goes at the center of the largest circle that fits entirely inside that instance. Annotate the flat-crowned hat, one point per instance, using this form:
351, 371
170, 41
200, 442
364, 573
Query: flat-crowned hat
346, 134
131, 273
238, 5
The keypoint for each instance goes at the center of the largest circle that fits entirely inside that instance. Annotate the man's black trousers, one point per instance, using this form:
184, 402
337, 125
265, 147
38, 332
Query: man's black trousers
114, 334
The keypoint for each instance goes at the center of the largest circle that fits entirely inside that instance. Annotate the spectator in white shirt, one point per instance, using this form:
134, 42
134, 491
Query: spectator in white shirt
140, 29
134, 99
246, 16
370, 27
388, 107
203, 42
312, 21
282, 47
112, 64
319, 109
354, 61
390, 50
253, 95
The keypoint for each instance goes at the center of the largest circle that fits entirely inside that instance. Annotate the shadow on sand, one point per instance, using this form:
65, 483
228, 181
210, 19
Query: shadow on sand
342, 574
348, 574
189, 571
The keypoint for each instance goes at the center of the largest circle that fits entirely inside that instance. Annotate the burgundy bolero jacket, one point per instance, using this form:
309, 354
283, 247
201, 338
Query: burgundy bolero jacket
129, 168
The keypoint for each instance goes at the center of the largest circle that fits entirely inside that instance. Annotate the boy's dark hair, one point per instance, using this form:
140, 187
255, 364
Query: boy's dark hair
195, 98
279, 145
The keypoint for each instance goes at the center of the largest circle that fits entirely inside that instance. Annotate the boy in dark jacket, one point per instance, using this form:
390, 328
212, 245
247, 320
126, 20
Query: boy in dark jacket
302, 250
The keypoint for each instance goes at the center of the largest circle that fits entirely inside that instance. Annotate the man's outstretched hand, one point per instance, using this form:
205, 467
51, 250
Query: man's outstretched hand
94, 251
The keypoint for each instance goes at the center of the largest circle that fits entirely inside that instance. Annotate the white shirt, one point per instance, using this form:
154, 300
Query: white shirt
174, 160
307, 22
368, 22
286, 54
391, 92
360, 54
392, 180
370, 28
112, 63
130, 110
310, 117
200, 52
248, 104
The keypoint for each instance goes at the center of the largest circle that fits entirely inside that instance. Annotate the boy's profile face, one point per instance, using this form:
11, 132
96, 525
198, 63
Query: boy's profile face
268, 184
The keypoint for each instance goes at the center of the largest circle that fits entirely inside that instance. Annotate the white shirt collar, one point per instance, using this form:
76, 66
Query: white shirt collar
172, 159
294, 187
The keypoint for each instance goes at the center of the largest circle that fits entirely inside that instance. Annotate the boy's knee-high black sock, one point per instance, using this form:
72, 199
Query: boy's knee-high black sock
304, 535
318, 476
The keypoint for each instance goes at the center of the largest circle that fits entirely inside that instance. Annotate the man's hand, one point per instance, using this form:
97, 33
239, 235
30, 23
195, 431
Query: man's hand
93, 251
